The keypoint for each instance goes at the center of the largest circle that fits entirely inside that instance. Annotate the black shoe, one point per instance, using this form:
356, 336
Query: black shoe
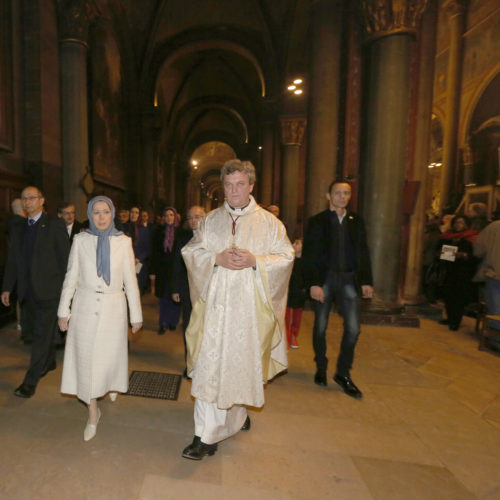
246, 426
25, 391
348, 385
172, 327
51, 367
453, 328
197, 449
185, 374
161, 330
320, 378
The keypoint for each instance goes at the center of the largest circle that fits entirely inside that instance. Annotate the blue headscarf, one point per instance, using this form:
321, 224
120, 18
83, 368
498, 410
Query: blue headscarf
103, 252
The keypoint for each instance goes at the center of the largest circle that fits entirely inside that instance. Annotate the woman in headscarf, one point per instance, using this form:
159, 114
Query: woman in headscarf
93, 309
161, 269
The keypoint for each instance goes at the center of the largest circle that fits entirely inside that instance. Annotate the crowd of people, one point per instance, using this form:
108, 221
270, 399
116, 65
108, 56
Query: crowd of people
462, 265
233, 275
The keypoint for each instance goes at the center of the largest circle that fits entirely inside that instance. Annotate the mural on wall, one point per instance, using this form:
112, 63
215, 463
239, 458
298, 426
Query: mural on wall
106, 108
6, 100
481, 51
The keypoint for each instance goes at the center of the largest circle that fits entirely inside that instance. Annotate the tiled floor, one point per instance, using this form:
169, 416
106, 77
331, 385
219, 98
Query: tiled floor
428, 427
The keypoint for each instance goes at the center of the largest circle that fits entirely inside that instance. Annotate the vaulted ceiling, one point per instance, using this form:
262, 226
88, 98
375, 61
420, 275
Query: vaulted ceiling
210, 68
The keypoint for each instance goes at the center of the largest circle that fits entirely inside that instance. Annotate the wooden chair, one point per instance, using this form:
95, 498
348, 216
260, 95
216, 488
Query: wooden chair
486, 332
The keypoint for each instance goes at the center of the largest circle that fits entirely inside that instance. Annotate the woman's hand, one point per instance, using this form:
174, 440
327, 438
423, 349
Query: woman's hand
136, 327
63, 324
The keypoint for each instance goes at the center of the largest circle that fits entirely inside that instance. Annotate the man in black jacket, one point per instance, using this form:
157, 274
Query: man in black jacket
66, 211
180, 283
36, 266
337, 267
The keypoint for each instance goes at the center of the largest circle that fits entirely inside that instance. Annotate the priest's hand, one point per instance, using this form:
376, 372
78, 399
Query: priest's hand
63, 324
367, 291
235, 259
136, 327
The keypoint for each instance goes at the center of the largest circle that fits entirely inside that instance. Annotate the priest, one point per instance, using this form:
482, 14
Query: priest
239, 263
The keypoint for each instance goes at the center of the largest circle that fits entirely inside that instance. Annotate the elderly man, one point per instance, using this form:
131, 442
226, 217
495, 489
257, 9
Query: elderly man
239, 263
66, 212
180, 283
487, 246
36, 266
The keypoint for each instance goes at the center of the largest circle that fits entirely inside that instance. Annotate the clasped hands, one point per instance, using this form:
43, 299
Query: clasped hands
235, 258
64, 322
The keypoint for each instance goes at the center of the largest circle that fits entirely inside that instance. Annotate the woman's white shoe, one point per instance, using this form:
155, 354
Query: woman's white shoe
112, 396
91, 429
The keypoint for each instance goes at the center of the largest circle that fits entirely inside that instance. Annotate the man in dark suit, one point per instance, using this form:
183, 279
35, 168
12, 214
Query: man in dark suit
66, 212
337, 264
180, 283
36, 266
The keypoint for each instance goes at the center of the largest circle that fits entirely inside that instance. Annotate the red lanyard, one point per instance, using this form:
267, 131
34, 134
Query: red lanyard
233, 230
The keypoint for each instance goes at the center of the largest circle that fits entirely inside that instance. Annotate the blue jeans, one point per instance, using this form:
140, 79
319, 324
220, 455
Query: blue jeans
492, 297
342, 288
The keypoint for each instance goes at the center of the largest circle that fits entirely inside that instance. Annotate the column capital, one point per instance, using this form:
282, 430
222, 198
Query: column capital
292, 130
390, 17
75, 17
455, 7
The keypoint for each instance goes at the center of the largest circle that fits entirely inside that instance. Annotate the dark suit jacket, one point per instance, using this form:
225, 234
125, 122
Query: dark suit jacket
74, 230
318, 242
48, 261
180, 283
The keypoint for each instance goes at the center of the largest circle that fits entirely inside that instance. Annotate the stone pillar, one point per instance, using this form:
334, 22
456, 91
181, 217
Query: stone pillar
416, 241
292, 135
391, 26
266, 180
456, 10
150, 136
323, 104
75, 16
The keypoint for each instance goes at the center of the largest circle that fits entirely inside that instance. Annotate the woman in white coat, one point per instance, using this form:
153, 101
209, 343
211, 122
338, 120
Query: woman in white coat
99, 281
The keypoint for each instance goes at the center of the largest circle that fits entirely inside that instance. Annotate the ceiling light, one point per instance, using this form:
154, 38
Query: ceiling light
260, 147
291, 87
298, 91
297, 81
194, 162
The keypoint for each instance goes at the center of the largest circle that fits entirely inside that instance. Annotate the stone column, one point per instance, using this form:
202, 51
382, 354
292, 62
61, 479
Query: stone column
456, 10
391, 26
292, 135
416, 241
266, 180
150, 136
323, 104
75, 16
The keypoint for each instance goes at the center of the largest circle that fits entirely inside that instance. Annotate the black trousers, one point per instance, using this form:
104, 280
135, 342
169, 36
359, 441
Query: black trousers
186, 308
42, 315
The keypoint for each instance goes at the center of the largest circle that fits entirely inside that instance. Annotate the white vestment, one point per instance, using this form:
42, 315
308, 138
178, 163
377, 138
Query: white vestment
235, 336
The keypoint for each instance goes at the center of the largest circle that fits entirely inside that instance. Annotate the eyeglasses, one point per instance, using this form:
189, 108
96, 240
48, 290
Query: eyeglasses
29, 198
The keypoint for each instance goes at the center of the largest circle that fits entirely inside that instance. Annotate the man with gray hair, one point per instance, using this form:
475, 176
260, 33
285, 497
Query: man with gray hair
239, 263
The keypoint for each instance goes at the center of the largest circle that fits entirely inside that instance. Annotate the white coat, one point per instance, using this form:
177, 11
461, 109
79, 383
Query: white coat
96, 357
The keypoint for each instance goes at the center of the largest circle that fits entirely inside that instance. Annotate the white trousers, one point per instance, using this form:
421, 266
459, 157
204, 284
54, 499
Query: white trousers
212, 424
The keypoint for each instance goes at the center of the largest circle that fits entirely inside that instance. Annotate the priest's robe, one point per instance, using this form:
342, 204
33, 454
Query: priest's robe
235, 337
